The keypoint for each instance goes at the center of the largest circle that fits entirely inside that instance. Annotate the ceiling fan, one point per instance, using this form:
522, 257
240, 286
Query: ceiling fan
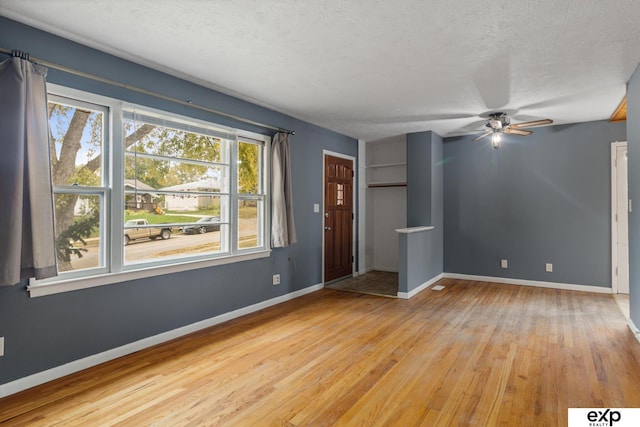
500, 123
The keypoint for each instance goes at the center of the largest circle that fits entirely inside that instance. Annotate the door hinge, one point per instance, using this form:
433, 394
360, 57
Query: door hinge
353, 173
352, 258
352, 217
616, 271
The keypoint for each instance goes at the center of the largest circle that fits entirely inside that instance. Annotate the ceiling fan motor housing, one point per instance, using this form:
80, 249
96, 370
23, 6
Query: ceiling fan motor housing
498, 120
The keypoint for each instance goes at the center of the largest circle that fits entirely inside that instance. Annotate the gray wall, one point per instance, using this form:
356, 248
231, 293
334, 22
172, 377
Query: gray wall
537, 199
45, 332
421, 254
419, 166
633, 152
415, 257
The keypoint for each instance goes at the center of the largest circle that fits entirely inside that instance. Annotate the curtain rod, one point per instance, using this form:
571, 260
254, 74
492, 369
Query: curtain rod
187, 103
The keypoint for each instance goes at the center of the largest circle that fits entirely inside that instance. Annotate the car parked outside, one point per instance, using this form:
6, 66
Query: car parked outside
203, 225
139, 229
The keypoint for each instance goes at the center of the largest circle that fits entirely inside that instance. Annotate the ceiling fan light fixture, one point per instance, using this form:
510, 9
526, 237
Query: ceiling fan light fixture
496, 138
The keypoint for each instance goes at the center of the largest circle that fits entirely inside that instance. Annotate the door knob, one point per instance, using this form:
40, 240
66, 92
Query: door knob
327, 228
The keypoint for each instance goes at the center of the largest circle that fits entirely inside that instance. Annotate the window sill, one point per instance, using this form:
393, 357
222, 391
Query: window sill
42, 289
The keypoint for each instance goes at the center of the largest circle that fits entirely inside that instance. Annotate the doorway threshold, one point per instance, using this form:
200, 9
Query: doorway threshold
378, 283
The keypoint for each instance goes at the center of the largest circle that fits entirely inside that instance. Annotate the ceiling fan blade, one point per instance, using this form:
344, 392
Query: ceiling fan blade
471, 128
522, 132
492, 80
487, 133
531, 123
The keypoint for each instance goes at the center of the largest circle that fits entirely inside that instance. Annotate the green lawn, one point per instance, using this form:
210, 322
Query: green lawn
200, 212
153, 218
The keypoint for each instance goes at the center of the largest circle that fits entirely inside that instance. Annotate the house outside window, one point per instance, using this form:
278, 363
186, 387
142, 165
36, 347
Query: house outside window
137, 188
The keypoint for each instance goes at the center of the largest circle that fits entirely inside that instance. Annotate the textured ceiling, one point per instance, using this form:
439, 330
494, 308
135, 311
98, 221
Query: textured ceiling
372, 68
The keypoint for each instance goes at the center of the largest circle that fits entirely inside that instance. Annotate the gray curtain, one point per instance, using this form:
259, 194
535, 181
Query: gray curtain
283, 229
27, 236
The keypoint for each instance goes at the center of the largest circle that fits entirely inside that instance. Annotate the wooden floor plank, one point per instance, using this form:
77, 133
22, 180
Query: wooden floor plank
474, 353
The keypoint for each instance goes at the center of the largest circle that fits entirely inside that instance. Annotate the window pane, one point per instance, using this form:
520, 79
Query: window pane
78, 227
76, 145
248, 168
170, 173
249, 224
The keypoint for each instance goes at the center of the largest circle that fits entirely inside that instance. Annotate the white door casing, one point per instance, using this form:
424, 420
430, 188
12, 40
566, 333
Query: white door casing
619, 219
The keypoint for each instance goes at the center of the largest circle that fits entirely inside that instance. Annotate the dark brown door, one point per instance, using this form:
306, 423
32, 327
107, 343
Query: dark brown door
338, 217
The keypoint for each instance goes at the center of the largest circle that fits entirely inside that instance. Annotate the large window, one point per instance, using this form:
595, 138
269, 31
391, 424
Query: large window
176, 178
158, 190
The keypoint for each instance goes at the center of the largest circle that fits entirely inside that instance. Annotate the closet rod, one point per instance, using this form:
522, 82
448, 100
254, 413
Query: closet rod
187, 103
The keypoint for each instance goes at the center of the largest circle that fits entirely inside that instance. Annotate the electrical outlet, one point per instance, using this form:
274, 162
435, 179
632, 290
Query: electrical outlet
504, 263
548, 267
1, 346
276, 279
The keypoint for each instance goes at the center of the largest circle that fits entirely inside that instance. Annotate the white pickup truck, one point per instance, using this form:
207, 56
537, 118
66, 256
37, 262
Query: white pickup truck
139, 229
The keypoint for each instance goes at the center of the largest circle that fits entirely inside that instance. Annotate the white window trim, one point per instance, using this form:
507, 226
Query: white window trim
120, 272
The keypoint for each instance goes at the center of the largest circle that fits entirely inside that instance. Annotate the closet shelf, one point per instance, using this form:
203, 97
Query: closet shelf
386, 165
386, 184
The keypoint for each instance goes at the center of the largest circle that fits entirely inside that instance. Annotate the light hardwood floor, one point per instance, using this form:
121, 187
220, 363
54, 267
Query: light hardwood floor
474, 353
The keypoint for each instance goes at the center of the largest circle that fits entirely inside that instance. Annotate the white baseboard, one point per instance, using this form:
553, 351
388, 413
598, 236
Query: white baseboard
425, 285
634, 329
522, 282
96, 359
